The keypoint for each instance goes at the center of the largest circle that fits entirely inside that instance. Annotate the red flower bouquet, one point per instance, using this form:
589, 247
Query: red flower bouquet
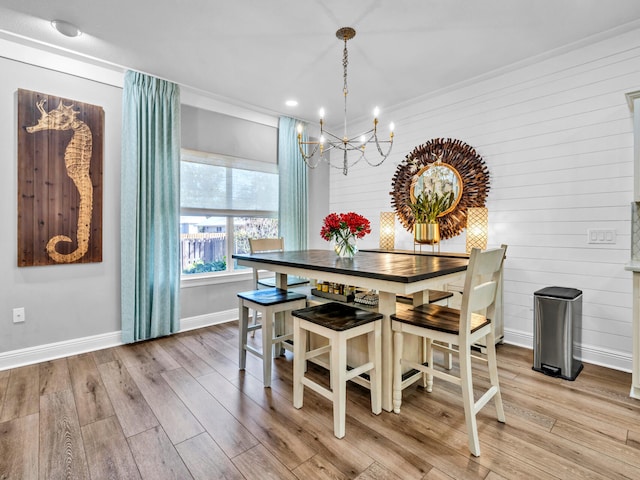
344, 229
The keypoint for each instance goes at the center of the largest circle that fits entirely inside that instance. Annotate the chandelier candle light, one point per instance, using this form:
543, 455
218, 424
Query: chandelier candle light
328, 141
344, 229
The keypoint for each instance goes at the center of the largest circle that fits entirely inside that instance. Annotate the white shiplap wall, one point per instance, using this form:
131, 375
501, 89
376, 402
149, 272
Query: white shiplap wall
557, 137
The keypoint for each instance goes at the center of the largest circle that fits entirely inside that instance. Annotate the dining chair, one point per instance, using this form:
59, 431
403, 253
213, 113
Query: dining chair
262, 245
457, 328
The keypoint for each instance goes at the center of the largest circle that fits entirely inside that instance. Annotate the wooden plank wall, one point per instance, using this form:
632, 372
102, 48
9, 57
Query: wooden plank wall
557, 137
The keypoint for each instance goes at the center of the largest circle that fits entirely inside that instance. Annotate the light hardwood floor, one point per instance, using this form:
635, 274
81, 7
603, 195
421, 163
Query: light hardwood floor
178, 407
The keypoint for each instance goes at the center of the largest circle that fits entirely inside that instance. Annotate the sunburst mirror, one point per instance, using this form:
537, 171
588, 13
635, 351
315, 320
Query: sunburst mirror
441, 165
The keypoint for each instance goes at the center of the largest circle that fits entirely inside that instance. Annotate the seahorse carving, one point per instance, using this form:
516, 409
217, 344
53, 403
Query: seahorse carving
77, 159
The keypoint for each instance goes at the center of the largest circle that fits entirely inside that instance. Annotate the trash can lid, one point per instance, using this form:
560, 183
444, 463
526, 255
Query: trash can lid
559, 292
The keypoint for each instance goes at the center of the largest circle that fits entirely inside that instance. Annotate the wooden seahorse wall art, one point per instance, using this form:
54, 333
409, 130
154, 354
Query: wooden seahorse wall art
59, 180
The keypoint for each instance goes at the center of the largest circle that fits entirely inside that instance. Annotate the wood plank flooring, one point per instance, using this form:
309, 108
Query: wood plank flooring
178, 408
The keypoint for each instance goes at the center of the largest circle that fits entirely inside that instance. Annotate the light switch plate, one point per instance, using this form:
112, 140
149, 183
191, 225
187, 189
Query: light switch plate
601, 236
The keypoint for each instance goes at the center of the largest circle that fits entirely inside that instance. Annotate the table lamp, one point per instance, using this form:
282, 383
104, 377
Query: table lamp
387, 230
477, 228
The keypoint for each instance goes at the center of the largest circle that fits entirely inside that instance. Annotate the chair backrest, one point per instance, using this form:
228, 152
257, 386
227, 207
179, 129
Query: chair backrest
481, 285
260, 245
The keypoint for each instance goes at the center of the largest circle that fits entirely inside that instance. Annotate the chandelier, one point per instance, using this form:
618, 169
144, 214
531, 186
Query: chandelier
357, 144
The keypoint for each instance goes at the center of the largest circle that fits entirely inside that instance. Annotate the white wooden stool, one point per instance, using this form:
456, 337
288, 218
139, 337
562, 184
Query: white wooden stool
338, 323
268, 302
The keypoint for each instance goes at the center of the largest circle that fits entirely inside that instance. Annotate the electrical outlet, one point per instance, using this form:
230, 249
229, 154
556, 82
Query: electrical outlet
18, 315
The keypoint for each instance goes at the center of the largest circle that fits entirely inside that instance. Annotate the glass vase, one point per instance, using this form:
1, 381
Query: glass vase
345, 245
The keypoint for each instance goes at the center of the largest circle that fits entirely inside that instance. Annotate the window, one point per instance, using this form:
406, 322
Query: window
223, 202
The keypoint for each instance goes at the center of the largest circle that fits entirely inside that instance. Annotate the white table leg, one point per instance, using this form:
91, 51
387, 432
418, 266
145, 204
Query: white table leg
387, 306
279, 327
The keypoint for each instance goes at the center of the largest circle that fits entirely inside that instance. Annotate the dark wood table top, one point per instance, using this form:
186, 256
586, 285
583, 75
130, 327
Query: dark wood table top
411, 252
378, 265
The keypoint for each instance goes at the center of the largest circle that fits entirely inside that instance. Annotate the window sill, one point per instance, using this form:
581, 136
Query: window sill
199, 280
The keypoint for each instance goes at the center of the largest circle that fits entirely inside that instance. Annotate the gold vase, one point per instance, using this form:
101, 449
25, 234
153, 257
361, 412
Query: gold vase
426, 233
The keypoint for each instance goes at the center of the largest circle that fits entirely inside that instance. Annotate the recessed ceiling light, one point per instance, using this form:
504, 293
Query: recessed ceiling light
65, 28
291, 103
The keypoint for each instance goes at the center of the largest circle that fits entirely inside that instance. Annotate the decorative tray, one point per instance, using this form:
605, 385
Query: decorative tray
333, 296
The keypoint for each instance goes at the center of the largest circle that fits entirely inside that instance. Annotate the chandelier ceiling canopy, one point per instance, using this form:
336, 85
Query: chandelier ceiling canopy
353, 148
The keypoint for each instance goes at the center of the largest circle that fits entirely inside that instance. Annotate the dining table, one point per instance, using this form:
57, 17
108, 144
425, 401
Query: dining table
388, 273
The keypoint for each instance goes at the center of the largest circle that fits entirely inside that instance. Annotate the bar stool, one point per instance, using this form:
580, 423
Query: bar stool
262, 245
338, 323
268, 302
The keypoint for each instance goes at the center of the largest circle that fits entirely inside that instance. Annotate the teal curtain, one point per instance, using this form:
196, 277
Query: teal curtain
150, 207
293, 201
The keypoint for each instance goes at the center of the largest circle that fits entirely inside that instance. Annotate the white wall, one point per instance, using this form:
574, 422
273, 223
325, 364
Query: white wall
557, 137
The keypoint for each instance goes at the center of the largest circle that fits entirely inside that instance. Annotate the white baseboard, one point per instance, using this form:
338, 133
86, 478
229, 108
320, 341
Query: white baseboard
606, 358
587, 353
51, 351
208, 319
518, 338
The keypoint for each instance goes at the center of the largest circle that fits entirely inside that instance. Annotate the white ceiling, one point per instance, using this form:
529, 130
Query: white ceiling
261, 53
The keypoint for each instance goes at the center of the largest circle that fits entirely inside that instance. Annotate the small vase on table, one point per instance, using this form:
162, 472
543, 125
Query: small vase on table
345, 246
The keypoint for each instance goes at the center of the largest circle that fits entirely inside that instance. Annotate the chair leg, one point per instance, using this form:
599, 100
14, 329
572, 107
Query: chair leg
468, 400
244, 322
493, 375
429, 355
375, 375
448, 358
267, 343
278, 329
397, 370
255, 322
339, 385
299, 351
424, 359
274, 347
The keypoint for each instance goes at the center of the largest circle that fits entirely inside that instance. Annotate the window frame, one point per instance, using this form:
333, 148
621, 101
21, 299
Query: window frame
232, 163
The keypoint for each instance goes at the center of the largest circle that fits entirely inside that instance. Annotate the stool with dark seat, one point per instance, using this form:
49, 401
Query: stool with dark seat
268, 302
338, 323
263, 245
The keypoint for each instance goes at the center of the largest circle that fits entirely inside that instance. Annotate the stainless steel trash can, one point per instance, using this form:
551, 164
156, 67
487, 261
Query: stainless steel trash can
557, 316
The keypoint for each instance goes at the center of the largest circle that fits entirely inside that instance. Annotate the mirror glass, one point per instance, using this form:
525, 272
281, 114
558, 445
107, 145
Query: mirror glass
439, 178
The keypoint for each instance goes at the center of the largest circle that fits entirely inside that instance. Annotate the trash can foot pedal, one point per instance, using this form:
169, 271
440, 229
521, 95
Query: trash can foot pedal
557, 372
550, 370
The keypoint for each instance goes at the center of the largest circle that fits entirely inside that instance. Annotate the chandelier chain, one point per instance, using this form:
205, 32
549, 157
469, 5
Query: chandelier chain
345, 62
